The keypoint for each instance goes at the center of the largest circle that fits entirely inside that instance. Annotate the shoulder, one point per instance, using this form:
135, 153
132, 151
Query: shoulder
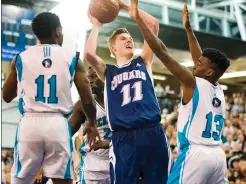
28, 51
201, 81
67, 54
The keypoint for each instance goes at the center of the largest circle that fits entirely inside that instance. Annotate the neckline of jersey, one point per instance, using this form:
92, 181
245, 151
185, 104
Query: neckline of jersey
100, 106
124, 65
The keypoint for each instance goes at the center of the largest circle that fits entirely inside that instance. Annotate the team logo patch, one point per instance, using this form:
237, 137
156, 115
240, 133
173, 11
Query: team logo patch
47, 63
216, 102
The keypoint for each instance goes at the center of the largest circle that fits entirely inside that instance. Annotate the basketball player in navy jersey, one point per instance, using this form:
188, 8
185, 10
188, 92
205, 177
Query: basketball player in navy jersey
139, 147
202, 111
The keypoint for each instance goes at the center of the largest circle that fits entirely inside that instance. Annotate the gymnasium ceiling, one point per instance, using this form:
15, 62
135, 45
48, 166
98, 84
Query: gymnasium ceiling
37, 5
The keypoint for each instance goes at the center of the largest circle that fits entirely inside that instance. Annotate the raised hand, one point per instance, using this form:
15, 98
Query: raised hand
133, 11
123, 5
186, 19
94, 20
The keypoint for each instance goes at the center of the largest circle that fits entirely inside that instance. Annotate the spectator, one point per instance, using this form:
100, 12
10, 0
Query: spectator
159, 91
236, 106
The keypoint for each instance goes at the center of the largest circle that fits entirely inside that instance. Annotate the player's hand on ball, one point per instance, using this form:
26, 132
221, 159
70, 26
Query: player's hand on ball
133, 11
186, 19
92, 133
123, 5
100, 145
93, 20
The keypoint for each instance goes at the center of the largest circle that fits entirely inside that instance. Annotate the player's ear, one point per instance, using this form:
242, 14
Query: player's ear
210, 72
112, 48
58, 31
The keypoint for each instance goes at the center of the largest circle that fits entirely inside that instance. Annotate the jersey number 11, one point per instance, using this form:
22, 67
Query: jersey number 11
52, 99
126, 90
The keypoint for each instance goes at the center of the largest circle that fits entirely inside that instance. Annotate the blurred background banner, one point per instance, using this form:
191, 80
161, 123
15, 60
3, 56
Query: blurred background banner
16, 31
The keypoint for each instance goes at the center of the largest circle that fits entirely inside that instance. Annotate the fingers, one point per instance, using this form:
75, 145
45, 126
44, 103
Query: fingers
185, 10
134, 3
99, 138
94, 146
91, 140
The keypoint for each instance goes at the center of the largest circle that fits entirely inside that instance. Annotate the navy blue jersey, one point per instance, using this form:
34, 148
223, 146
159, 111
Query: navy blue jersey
130, 99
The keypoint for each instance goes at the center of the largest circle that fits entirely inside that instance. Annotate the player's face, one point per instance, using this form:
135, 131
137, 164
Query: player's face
96, 84
91, 74
203, 68
123, 46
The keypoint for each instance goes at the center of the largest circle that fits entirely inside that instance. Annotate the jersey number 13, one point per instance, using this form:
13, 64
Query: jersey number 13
219, 122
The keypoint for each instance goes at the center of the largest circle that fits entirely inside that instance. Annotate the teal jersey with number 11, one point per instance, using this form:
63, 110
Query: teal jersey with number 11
45, 74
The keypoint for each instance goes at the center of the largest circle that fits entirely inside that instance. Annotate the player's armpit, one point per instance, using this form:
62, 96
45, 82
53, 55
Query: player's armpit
10, 84
77, 118
83, 86
187, 94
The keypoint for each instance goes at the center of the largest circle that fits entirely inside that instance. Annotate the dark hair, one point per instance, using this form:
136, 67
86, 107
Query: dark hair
45, 24
217, 58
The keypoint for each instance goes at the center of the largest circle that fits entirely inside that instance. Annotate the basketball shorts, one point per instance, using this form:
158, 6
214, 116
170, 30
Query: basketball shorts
140, 153
42, 140
94, 169
199, 164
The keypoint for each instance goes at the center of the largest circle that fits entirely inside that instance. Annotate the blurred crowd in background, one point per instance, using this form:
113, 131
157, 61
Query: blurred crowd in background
233, 136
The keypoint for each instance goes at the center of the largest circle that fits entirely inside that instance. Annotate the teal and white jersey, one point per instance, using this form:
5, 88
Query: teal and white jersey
45, 74
200, 122
104, 132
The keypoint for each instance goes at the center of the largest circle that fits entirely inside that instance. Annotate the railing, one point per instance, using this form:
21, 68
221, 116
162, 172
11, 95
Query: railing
215, 21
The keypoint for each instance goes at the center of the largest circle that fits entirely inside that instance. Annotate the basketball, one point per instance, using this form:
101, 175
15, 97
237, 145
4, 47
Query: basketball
104, 10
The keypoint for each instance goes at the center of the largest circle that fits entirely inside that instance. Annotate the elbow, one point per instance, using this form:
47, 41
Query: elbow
89, 56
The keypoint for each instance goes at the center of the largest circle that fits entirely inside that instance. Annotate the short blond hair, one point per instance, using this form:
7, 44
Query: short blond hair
113, 36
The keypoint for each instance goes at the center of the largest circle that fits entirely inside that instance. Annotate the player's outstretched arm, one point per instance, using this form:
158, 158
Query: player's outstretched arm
195, 48
90, 49
184, 75
153, 24
77, 118
10, 84
87, 101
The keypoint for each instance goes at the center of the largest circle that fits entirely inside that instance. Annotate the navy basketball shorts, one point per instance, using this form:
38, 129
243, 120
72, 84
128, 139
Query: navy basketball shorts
140, 153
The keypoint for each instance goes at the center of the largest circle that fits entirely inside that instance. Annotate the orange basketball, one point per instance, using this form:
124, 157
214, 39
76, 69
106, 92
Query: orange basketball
104, 10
